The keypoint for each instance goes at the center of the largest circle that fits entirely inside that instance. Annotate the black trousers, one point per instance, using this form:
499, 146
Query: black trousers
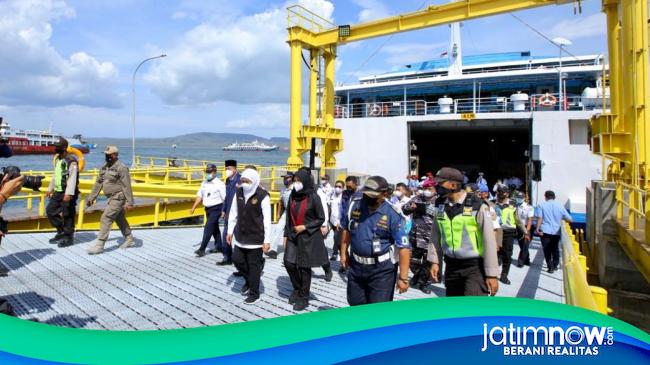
249, 262
300, 279
211, 228
509, 236
524, 253
465, 277
338, 234
420, 267
61, 213
551, 246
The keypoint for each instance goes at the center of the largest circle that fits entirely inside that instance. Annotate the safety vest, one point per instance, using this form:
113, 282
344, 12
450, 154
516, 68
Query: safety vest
461, 237
61, 174
508, 216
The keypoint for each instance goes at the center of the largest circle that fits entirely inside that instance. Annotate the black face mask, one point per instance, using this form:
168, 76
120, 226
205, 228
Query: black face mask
59, 151
108, 158
443, 191
349, 190
369, 200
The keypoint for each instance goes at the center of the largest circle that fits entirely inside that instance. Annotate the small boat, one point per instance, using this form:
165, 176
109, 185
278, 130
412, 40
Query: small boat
252, 146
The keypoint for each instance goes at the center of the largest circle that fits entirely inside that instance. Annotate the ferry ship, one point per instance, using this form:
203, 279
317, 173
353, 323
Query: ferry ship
252, 146
506, 115
33, 142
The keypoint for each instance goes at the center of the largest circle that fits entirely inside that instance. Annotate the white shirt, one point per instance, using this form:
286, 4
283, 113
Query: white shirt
327, 191
266, 217
324, 201
335, 217
212, 192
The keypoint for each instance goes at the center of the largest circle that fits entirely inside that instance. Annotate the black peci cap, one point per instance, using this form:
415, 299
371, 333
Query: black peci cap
231, 163
449, 174
374, 186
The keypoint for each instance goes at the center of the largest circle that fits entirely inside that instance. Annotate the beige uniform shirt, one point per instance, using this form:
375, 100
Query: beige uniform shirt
112, 180
485, 223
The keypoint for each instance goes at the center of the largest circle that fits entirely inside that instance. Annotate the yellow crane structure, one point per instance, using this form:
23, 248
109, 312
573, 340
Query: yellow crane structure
619, 135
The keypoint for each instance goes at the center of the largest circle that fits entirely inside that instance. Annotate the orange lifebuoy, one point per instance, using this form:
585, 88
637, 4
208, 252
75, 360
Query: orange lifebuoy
547, 100
78, 154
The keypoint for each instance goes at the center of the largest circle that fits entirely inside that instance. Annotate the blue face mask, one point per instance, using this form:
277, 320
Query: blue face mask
519, 201
210, 177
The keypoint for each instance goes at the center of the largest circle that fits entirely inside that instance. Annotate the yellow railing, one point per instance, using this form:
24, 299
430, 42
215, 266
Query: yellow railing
577, 290
630, 202
634, 227
298, 16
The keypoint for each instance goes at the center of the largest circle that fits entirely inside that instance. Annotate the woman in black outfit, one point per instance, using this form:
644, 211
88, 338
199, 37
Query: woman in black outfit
305, 246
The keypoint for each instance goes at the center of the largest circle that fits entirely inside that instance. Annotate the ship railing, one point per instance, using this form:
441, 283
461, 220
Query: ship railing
493, 104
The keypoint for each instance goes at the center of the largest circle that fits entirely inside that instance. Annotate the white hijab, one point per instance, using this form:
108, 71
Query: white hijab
254, 177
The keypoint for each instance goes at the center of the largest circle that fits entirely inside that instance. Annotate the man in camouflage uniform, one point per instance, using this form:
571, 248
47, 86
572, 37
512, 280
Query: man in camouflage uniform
114, 179
420, 208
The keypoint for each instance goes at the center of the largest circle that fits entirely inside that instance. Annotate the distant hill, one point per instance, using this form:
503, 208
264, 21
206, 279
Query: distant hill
203, 139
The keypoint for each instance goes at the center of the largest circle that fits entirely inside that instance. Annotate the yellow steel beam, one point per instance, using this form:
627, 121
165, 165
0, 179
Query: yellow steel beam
432, 16
295, 160
313, 85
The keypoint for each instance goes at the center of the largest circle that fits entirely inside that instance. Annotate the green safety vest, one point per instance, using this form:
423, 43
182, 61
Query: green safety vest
508, 217
461, 237
60, 175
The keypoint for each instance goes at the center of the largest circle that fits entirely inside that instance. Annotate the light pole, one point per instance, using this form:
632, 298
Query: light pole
561, 43
133, 106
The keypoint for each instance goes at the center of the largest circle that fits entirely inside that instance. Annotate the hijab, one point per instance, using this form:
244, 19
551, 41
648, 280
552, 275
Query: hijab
307, 185
254, 177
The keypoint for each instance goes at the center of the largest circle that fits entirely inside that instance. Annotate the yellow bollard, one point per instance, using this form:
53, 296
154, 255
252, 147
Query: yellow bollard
156, 217
600, 297
41, 206
82, 212
583, 263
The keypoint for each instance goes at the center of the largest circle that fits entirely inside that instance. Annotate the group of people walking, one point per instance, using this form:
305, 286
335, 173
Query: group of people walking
386, 237
114, 180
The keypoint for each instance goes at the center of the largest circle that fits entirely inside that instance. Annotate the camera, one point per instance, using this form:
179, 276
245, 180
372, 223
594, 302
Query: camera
30, 182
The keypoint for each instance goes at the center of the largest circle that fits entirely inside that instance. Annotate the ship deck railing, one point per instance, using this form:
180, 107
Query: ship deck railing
535, 103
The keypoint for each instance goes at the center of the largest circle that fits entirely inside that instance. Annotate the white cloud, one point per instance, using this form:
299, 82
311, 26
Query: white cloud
267, 116
371, 10
245, 60
406, 53
581, 27
34, 73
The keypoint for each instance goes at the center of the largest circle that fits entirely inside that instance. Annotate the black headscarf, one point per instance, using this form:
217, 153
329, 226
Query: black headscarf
307, 185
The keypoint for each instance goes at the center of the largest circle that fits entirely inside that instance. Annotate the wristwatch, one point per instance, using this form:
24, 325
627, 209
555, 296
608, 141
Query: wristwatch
404, 280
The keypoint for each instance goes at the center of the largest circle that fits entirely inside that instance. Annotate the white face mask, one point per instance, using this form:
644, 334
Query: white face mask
427, 193
324, 182
229, 173
397, 193
297, 186
247, 187
338, 190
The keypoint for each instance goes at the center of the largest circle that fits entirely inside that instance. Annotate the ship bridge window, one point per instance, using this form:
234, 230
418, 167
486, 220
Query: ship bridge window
579, 131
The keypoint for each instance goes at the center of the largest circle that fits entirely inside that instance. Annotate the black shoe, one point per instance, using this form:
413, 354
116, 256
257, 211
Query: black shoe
425, 289
333, 258
293, 297
245, 289
237, 273
224, 263
214, 250
328, 275
272, 254
527, 263
504, 279
550, 271
251, 299
199, 253
301, 304
57, 237
3, 271
342, 270
65, 241
520, 265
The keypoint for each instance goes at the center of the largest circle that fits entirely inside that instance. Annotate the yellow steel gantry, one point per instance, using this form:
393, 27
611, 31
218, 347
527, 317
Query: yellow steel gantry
619, 136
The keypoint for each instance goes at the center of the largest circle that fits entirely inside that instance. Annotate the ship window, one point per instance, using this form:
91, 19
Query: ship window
579, 131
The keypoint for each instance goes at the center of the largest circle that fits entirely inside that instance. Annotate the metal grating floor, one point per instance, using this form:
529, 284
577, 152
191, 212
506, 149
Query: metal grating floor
160, 284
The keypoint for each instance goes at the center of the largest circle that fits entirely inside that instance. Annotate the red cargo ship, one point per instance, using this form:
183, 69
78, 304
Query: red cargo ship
32, 142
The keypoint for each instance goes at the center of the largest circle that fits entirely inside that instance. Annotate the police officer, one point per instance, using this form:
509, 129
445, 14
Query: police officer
115, 180
465, 231
212, 194
525, 213
506, 212
378, 241
63, 192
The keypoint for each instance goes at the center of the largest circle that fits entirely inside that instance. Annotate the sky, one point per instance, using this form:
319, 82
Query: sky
70, 63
